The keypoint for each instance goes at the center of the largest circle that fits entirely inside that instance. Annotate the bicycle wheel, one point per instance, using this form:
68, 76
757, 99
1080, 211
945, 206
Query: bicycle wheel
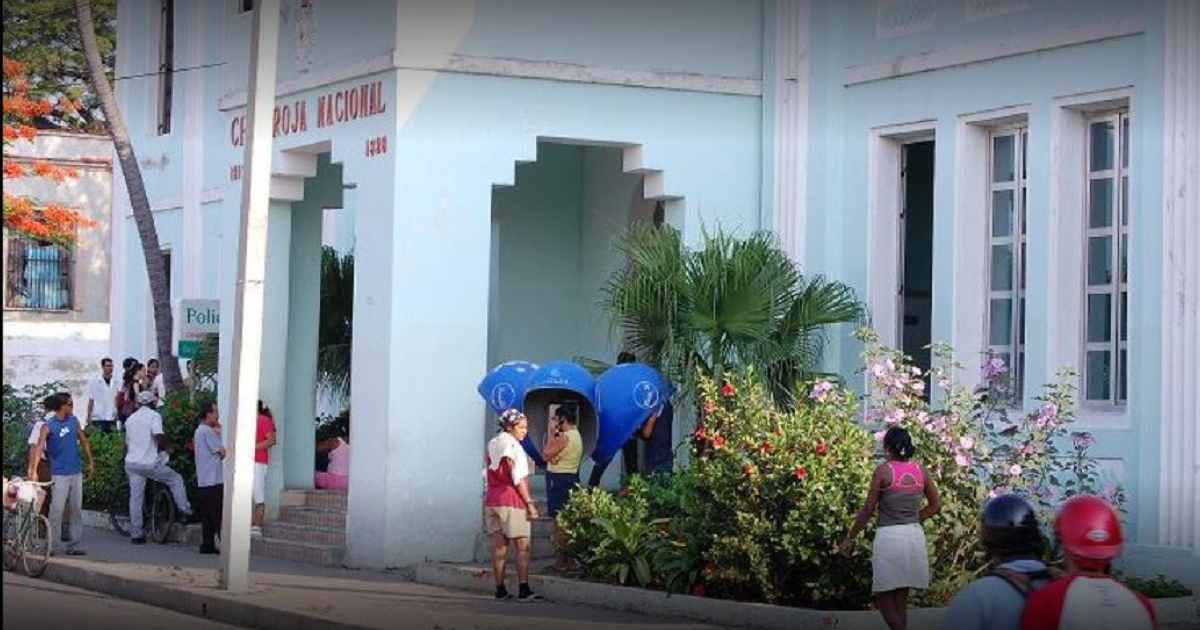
118, 509
12, 551
36, 548
162, 513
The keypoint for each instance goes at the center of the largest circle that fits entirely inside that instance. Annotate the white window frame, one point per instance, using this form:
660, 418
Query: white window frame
1119, 232
972, 229
1017, 238
885, 195
1067, 241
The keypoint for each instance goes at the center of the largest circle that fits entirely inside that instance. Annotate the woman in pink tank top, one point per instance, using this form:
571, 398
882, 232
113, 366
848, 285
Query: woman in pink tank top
904, 496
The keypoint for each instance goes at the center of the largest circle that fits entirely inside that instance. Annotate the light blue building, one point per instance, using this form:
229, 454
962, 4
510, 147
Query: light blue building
1014, 175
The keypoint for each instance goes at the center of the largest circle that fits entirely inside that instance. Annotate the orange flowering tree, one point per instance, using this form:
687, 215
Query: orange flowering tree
23, 215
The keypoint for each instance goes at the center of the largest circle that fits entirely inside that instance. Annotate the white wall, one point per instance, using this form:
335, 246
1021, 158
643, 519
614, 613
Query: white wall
43, 346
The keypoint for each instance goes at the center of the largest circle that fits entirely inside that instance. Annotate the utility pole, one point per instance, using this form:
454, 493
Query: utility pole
248, 306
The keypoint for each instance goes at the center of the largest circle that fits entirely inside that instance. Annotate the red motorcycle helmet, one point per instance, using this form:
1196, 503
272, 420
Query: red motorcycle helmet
1089, 531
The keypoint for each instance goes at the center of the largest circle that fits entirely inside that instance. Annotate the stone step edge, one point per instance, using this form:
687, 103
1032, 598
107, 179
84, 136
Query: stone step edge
301, 526
299, 543
478, 578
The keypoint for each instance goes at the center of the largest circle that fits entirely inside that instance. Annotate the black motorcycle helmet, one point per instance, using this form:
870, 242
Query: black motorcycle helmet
1009, 527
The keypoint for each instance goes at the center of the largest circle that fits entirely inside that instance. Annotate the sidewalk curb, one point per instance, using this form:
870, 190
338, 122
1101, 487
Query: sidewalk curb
717, 611
200, 602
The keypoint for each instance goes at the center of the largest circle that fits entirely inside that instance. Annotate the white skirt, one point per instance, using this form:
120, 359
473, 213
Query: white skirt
899, 558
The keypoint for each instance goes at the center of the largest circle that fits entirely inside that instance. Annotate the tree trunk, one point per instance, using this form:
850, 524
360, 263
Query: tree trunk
156, 267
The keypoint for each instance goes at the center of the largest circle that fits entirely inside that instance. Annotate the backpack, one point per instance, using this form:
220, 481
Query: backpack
125, 406
1023, 582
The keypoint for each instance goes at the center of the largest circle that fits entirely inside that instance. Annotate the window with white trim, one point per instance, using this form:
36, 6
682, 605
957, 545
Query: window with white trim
41, 275
1005, 326
1106, 273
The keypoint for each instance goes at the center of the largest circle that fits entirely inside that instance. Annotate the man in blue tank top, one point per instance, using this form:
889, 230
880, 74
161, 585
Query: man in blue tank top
60, 440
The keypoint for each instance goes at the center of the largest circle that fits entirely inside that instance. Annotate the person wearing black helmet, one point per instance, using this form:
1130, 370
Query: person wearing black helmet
1010, 534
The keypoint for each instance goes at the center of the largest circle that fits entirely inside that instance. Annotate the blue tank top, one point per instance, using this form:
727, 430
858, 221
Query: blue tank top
62, 446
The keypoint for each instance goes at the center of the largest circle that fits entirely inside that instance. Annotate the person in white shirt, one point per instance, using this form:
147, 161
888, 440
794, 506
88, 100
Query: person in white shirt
145, 443
101, 393
157, 384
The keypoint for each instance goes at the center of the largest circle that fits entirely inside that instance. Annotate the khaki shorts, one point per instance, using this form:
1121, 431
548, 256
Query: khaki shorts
507, 519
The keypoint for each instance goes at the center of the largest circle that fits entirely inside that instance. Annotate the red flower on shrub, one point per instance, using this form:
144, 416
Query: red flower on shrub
718, 442
748, 470
767, 447
701, 432
801, 472
728, 390
709, 408
698, 591
710, 568
821, 448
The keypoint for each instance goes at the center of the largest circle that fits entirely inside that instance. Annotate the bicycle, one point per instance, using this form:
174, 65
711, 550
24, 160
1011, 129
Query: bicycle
26, 533
158, 510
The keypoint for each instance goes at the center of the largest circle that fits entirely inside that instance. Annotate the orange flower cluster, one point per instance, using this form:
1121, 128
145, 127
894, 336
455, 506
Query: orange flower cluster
22, 215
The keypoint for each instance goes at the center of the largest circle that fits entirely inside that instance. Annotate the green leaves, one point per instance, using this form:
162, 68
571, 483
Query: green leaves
732, 303
336, 326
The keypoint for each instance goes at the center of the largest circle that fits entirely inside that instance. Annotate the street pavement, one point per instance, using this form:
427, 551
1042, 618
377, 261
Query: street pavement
285, 595
289, 595
42, 605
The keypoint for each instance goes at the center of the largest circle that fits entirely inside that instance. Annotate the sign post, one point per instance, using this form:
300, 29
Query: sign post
195, 320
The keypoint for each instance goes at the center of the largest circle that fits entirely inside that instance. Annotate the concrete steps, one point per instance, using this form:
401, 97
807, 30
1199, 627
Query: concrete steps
311, 529
301, 552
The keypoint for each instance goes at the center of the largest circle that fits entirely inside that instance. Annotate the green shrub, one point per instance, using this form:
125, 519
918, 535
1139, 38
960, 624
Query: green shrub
581, 534
108, 449
773, 489
181, 413
1157, 586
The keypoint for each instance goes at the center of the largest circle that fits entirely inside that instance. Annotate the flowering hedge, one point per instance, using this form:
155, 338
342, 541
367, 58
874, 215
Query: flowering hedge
976, 444
767, 492
752, 517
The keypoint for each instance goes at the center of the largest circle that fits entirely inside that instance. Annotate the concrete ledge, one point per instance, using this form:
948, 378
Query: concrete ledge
199, 601
718, 611
186, 535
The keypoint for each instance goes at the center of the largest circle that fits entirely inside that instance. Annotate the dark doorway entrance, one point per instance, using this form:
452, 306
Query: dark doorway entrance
916, 246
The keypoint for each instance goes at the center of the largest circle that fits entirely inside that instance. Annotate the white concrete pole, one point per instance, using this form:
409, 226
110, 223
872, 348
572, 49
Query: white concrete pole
248, 306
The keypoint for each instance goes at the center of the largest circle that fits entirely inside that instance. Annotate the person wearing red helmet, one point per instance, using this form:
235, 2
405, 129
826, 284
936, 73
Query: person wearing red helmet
1089, 531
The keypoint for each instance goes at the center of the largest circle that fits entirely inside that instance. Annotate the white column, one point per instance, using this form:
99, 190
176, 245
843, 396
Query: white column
1179, 488
272, 383
248, 304
789, 164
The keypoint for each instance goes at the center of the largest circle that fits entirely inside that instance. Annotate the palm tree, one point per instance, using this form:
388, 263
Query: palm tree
731, 304
336, 321
156, 266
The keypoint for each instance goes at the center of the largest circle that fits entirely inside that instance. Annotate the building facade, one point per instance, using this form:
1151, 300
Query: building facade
56, 299
1021, 175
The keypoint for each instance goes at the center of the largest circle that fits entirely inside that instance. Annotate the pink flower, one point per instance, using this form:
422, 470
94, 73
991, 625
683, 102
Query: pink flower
1014, 470
1047, 415
728, 390
879, 436
966, 441
994, 367
962, 460
894, 416
878, 370
820, 391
